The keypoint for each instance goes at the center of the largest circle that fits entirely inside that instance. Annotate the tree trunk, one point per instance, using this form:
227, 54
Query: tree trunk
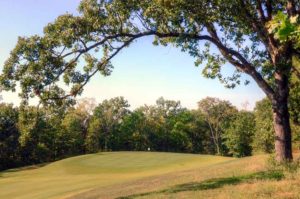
283, 137
281, 119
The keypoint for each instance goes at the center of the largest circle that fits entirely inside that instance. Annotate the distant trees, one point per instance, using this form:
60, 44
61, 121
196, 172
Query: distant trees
295, 103
294, 106
164, 114
92, 141
218, 115
264, 130
136, 131
31, 135
110, 115
72, 133
239, 135
9, 136
36, 135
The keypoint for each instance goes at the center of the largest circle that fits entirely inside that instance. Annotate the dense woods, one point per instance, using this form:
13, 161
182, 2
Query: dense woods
31, 135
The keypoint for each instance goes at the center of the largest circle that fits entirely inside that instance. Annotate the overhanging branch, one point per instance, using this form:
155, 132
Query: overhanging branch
240, 62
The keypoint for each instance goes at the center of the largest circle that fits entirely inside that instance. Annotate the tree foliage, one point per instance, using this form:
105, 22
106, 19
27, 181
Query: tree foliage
218, 114
36, 135
30, 135
9, 136
110, 115
72, 133
239, 135
245, 36
258, 38
264, 130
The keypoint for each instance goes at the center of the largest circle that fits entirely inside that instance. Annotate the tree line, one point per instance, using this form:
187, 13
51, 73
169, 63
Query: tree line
32, 135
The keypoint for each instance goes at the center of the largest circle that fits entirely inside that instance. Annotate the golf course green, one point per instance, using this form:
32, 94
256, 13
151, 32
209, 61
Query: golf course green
71, 176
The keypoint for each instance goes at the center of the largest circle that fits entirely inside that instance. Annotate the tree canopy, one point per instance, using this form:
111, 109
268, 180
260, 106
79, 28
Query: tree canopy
103, 28
259, 38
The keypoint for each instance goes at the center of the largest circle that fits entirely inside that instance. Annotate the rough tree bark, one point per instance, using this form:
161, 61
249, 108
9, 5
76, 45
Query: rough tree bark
283, 135
281, 117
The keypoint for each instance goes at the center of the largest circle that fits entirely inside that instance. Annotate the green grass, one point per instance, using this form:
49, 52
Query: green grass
143, 175
213, 183
92, 172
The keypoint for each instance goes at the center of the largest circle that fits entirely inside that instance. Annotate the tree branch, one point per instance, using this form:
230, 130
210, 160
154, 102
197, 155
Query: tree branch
259, 27
261, 11
242, 64
291, 8
296, 71
269, 9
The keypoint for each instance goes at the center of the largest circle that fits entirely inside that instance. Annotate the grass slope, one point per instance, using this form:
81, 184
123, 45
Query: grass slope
90, 175
244, 178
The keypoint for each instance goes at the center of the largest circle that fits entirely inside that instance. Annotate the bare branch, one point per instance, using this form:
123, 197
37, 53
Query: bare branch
269, 9
260, 11
142, 20
84, 45
63, 50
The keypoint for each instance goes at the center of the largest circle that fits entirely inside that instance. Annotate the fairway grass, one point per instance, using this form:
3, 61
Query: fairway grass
90, 175
143, 175
244, 178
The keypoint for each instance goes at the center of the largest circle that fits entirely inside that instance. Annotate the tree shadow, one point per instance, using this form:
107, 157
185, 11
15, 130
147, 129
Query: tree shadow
31, 167
214, 183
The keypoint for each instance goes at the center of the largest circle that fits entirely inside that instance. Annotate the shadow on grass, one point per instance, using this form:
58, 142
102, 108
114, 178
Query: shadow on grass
31, 167
214, 183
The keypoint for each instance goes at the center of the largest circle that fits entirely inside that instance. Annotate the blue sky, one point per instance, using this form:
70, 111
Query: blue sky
142, 72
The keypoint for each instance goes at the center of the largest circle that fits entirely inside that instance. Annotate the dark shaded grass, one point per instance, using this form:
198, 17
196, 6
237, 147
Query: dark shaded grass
215, 183
31, 167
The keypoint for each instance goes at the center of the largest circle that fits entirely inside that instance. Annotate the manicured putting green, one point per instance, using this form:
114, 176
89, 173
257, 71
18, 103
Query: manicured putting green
81, 173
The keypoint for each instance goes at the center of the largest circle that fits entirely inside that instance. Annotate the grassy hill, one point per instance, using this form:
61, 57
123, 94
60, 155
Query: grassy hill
147, 175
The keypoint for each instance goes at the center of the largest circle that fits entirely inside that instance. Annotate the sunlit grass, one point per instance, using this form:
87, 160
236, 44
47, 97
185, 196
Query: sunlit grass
211, 184
237, 178
142, 175
82, 173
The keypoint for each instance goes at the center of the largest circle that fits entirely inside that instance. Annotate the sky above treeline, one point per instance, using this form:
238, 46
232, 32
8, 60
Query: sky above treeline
142, 72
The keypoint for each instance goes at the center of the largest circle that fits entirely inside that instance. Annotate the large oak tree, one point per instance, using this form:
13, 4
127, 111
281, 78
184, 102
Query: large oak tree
257, 37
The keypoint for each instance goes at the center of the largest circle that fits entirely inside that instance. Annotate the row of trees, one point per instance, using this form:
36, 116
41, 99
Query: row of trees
30, 135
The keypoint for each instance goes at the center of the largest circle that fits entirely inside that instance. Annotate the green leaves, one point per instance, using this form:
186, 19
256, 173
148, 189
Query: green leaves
57, 65
282, 26
239, 135
286, 29
218, 114
264, 130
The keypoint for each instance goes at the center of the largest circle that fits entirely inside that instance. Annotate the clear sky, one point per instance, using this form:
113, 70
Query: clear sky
142, 72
